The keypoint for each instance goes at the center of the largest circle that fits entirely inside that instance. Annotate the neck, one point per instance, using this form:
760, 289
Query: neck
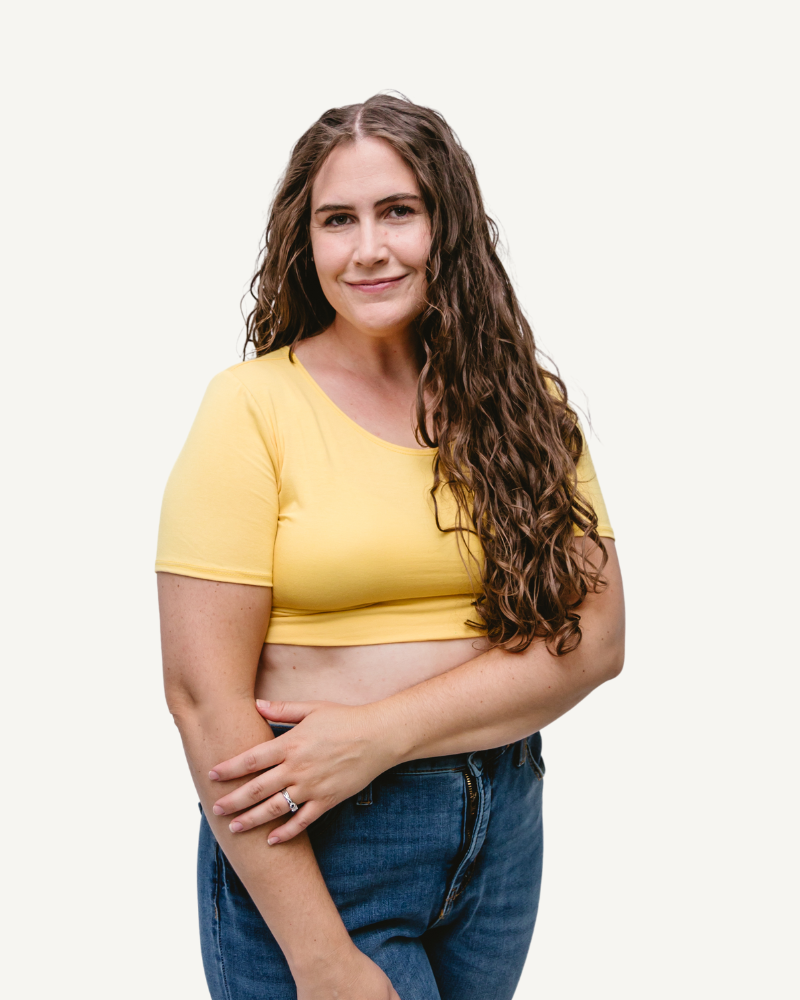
391, 355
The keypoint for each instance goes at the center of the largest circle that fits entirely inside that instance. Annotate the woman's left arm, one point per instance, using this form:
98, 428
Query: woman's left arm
494, 699
500, 697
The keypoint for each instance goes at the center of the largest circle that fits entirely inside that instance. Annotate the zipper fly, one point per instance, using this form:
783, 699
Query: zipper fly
472, 808
471, 786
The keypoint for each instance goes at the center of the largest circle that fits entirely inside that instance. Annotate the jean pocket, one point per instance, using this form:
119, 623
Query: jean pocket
533, 755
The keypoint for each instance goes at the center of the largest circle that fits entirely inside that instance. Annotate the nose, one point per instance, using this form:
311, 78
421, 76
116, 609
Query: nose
371, 247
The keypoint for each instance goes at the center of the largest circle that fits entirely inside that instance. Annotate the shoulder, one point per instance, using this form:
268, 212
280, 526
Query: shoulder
270, 371
554, 386
260, 384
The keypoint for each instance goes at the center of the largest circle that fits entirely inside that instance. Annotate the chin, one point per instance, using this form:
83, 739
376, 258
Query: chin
383, 316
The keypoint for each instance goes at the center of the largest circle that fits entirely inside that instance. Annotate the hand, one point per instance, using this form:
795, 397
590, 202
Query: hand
333, 752
355, 978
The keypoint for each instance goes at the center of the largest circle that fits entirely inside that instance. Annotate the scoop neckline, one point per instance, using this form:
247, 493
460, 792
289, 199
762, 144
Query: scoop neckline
403, 449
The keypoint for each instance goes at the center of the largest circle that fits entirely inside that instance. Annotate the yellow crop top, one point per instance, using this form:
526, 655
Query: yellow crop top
277, 486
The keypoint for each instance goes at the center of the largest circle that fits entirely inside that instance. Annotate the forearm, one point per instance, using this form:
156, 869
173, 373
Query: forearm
501, 697
284, 880
493, 699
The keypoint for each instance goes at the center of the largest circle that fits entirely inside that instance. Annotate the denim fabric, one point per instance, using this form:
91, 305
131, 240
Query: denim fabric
435, 868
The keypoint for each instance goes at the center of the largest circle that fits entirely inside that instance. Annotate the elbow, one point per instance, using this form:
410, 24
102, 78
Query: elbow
603, 655
194, 707
182, 704
614, 665
608, 643
191, 715
181, 708
613, 659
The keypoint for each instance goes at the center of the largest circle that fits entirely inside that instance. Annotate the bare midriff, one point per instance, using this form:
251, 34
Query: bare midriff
356, 675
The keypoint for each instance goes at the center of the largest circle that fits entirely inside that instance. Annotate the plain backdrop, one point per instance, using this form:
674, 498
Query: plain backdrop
642, 160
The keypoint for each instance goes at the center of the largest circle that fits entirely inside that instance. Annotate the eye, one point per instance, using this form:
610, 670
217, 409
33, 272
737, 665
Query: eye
337, 220
403, 211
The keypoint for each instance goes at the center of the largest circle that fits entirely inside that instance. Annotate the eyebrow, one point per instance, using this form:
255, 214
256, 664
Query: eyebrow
383, 201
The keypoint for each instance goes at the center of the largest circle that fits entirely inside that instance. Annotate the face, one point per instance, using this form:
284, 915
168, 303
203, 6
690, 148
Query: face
370, 237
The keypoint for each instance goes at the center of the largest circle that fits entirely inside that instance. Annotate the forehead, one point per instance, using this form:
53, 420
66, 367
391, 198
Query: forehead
362, 171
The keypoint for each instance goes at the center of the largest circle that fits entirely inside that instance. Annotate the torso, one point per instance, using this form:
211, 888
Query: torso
356, 675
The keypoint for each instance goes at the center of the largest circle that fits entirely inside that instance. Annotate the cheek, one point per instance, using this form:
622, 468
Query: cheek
329, 261
417, 249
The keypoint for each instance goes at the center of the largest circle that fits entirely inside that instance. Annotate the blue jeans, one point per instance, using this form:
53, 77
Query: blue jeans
435, 868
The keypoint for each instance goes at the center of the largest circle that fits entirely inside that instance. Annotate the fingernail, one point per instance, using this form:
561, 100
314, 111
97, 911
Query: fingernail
218, 811
272, 840
262, 704
236, 827
213, 776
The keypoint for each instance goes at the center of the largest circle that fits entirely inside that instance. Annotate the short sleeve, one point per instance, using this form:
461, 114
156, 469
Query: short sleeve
219, 515
590, 488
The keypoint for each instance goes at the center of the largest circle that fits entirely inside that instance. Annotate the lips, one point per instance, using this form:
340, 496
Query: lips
373, 285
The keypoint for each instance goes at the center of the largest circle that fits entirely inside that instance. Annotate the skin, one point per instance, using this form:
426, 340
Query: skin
359, 710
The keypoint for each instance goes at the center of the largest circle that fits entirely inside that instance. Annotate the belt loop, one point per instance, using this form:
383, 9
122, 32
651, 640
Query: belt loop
475, 762
520, 752
365, 796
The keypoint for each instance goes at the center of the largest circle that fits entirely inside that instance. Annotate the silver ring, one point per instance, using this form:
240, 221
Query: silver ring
292, 805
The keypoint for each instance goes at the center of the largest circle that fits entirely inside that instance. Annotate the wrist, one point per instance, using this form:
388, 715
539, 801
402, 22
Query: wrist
319, 953
392, 729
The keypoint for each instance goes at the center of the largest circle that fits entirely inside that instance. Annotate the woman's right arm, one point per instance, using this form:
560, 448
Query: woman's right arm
212, 634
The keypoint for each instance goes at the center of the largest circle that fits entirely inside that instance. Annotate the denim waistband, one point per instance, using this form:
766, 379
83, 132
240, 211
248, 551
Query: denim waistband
447, 762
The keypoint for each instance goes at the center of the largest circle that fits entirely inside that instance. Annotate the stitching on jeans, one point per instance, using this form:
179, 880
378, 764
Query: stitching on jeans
538, 768
220, 861
438, 770
535, 767
466, 878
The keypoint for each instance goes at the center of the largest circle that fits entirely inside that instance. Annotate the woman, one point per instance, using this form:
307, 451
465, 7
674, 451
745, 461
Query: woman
384, 562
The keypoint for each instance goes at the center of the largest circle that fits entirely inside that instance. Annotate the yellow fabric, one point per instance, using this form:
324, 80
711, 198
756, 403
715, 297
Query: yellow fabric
277, 486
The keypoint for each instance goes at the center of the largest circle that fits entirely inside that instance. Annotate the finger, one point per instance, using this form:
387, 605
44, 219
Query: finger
264, 812
297, 823
255, 759
285, 711
252, 792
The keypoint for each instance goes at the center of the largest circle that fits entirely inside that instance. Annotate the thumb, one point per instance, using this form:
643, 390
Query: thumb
284, 711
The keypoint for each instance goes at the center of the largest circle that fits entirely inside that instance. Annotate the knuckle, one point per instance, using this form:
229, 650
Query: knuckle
249, 761
255, 791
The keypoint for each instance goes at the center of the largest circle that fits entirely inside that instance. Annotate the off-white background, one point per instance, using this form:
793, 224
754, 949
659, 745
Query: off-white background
642, 160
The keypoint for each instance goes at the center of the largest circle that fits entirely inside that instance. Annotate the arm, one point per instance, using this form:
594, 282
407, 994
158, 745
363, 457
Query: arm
212, 634
500, 697
496, 698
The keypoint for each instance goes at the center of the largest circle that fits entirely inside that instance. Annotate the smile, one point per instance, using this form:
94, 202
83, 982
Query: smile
374, 285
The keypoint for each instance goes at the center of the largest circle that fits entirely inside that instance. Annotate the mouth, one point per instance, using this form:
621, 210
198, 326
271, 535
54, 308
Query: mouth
373, 285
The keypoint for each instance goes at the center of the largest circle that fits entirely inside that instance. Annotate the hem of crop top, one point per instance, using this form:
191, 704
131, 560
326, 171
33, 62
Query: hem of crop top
324, 642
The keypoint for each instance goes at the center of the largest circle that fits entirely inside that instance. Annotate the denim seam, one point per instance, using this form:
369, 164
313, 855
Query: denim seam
466, 878
431, 770
534, 767
218, 928
538, 767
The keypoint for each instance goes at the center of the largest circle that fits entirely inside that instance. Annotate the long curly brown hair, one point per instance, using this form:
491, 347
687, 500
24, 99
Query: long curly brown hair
507, 439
